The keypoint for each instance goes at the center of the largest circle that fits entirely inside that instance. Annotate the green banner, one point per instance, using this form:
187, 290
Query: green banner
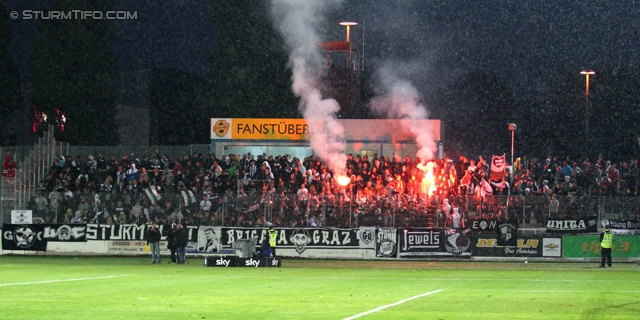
589, 247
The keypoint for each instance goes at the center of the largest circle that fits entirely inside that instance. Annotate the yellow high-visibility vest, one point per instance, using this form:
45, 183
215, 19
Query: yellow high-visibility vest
272, 238
607, 239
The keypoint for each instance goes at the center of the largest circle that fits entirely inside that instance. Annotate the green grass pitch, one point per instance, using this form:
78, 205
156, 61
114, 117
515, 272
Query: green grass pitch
133, 288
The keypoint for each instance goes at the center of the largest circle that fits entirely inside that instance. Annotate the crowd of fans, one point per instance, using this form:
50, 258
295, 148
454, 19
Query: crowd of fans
250, 190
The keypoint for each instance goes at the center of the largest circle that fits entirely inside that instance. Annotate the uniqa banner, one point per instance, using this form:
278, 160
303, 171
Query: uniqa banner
23, 237
415, 242
583, 225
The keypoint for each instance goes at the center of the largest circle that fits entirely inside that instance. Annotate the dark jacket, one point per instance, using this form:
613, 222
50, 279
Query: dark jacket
172, 239
153, 235
182, 237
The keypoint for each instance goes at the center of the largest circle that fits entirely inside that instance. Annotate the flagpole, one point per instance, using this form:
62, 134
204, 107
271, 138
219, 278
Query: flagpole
512, 128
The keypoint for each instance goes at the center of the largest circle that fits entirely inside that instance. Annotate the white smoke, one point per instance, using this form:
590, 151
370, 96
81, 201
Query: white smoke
399, 99
297, 21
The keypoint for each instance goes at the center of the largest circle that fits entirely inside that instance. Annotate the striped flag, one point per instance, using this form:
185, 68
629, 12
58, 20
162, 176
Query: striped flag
152, 193
188, 197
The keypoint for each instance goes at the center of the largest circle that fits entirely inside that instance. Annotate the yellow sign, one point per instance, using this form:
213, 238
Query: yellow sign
262, 129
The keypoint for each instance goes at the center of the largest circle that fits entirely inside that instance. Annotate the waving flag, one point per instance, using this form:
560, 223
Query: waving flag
152, 193
188, 197
497, 168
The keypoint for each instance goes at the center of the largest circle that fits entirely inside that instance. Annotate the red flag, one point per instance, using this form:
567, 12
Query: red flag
497, 168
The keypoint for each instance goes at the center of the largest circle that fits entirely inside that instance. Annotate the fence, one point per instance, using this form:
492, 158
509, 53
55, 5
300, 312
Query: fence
339, 210
35, 161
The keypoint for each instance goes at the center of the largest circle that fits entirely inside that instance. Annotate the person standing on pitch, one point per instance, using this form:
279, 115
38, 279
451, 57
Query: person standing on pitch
171, 242
153, 239
181, 241
606, 242
273, 236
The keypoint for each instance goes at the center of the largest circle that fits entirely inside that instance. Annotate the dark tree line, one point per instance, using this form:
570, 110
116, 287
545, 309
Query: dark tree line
249, 76
74, 70
10, 98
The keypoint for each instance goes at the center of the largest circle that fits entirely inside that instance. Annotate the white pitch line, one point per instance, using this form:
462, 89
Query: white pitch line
433, 279
391, 305
54, 281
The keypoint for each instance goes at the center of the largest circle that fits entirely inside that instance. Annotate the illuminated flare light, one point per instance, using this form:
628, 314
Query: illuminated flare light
428, 185
342, 180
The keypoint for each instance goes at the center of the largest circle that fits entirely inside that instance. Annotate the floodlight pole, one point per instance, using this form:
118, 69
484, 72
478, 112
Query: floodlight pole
512, 128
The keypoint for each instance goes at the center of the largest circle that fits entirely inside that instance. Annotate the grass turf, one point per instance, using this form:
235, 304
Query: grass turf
309, 289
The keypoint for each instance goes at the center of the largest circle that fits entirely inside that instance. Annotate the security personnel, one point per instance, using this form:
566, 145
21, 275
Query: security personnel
606, 241
272, 240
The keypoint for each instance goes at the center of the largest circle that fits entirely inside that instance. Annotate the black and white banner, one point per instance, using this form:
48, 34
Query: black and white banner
584, 225
23, 237
130, 232
65, 232
507, 233
387, 243
483, 225
21, 217
209, 239
367, 237
623, 227
416, 242
299, 239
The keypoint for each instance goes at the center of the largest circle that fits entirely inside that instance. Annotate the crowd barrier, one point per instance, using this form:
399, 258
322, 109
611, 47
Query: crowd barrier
318, 243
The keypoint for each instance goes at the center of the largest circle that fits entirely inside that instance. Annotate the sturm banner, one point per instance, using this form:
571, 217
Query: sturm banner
416, 242
299, 239
129, 232
387, 243
23, 237
583, 225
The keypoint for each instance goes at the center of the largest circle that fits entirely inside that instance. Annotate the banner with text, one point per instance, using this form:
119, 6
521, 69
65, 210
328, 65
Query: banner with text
589, 247
525, 246
23, 237
299, 239
583, 225
387, 243
415, 242
623, 227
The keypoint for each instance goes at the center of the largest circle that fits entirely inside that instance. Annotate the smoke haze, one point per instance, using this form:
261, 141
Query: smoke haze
298, 23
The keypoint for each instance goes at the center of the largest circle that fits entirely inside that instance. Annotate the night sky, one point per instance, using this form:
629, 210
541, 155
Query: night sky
523, 42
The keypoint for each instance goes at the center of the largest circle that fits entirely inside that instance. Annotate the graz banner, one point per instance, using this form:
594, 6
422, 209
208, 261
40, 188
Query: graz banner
623, 227
65, 232
387, 243
23, 237
416, 242
299, 239
589, 247
129, 232
525, 246
583, 225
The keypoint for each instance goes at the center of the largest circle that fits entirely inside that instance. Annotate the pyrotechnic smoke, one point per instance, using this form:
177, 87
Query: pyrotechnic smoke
297, 21
399, 99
